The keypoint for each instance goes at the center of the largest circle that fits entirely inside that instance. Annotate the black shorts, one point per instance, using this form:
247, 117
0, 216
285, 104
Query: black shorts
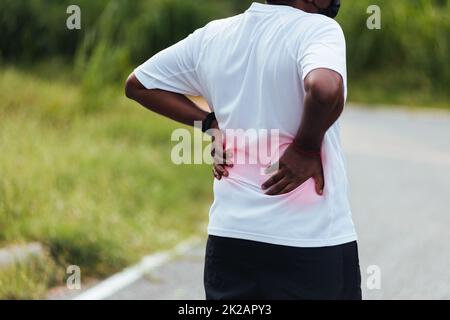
238, 269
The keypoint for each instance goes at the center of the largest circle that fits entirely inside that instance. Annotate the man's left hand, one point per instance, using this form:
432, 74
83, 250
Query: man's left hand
295, 168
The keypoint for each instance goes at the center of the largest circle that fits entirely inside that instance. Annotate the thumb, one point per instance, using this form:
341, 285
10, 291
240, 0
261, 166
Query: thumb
320, 183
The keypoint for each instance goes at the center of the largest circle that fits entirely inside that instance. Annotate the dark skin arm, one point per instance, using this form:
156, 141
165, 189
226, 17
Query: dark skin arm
171, 105
179, 108
324, 103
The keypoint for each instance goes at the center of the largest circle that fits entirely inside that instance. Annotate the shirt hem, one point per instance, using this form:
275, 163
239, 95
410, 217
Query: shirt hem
304, 243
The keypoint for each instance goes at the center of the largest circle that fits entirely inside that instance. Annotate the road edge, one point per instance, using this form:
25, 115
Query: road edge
118, 281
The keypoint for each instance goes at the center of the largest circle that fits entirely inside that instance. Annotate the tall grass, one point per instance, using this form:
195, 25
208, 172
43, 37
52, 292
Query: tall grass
29, 280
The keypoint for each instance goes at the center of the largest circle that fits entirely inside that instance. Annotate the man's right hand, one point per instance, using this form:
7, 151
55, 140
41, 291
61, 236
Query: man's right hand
222, 159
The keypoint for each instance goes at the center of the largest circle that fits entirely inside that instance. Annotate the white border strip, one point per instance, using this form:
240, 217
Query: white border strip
123, 279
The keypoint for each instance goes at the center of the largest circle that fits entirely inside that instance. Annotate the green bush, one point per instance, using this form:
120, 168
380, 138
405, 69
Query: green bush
128, 35
413, 43
32, 30
118, 34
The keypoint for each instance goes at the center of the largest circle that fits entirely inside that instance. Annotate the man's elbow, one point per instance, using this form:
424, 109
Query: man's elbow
329, 93
326, 90
129, 89
132, 87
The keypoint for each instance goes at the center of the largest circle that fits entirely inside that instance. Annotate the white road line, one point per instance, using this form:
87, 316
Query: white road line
123, 279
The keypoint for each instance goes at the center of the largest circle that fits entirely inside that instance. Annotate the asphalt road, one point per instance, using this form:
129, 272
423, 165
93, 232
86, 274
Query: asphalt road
399, 171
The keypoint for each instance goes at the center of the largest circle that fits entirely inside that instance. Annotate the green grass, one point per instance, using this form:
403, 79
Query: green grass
97, 188
29, 280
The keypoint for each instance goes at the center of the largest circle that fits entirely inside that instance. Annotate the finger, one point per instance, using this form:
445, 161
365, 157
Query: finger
320, 182
222, 157
217, 144
272, 180
216, 175
278, 187
290, 187
217, 136
220, 169
216, 148
218, 155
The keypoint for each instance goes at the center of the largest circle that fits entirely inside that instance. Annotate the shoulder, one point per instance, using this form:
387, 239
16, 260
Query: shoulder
215, 27
325, 25
329, 24
202, 36
312, 24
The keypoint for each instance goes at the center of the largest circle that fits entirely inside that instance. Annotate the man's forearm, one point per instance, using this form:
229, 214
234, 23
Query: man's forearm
171, 105
321, 111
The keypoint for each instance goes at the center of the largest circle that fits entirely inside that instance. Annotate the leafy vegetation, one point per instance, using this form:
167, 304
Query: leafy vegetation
409, 53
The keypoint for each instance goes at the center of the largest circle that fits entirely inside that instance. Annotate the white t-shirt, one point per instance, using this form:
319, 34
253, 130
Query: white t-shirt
250, 68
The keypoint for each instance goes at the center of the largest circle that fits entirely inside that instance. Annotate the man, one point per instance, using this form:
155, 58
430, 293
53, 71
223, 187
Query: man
280, 65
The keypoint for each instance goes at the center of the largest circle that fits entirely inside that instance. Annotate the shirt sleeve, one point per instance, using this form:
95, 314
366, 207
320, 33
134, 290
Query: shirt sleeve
175, 68
325, 49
